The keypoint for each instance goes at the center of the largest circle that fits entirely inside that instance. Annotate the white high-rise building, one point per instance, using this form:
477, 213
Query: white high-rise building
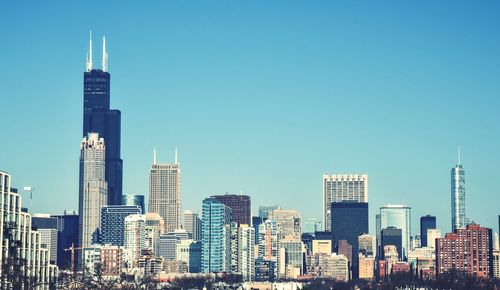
432, 235
165, 193
458, 219
135, 238
93, 188
192, 225
345, 187
153, 230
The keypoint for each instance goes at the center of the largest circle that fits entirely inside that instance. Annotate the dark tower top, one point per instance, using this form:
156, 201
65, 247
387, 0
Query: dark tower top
99, 118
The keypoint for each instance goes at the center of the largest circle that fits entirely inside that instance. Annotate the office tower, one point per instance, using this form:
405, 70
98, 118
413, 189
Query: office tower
93, 188
256, 221
47, 227
192, 225
291, 259
392, 236
349, 220
426, 222
269, 238
367, 245
189, 252
334, 267
214, 216
338, 188
366, 266
467, 250
153, 230
289, 222
168, 243
398, 216
321, 247
134, 238
432, 235
67, 235
19, 242
265, 210
99, 118
165, 193
240, 207
458, 219
113, 222
134, 199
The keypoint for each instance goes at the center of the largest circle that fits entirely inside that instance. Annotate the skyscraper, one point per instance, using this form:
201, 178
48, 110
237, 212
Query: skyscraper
134, 199
165, 193
99, 118
349, 220
192, 225
289, 221
392, 236
457, 196
215, 215
426, 222
240, 207
134, 238
93, 188
338, 188
398, 216
113, 222
67, 228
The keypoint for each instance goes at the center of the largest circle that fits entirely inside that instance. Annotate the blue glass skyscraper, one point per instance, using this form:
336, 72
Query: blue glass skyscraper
458, 197
214, 250
99, 118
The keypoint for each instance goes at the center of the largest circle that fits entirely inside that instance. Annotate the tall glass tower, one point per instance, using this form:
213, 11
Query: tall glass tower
458, 219
99, 118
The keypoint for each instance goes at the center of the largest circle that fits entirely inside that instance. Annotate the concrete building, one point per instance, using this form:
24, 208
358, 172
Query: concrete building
432, 236
269, 239
192, 225
322, 247
343, 187
367, 244
153, 231
366, 266
135, 240
291, 259
93, 191
165, 193
334, 267
289, 222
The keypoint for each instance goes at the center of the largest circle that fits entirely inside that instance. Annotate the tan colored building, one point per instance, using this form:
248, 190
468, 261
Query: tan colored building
366, 267
322, 247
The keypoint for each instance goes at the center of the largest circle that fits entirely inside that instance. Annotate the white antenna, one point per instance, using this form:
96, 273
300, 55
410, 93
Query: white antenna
458, 154
104, 55
154, 156
176, 156
89, 58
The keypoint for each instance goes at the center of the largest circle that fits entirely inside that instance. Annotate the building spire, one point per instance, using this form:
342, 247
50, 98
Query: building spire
104, 55
459, 155
89, 56
176, 156
154, 156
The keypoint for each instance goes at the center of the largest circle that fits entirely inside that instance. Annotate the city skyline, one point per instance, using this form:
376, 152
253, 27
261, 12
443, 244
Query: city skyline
437, 157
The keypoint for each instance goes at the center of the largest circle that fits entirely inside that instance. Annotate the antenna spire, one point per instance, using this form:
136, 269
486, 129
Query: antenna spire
89, 56
176, 156
104, 55
459, 155
154, 156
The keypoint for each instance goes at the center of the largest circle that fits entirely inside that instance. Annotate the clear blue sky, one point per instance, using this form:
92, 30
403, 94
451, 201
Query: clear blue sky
263, 97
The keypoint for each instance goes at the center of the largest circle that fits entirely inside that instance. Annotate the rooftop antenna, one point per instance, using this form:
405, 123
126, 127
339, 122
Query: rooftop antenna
89, 56
30, 190
459, 155
154, 156
104, 55
176, 156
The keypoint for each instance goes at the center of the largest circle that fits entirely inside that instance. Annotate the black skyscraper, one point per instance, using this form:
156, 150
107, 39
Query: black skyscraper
391, 236
426, 222
99, 118
349, 220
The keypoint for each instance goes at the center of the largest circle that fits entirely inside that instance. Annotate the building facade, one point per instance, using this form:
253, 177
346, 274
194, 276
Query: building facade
458, 218
113, 222
134, 199
289, 221
135, 239
241, 207
93, 192
165, 194
426, 222
192, 225
345, 187
398, 216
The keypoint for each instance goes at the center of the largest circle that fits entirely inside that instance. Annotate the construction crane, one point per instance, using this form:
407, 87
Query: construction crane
313, 221
73, 249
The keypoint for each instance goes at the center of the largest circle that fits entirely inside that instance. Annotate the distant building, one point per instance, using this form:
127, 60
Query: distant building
291, 259
334, 267
111, 260
321, 247
113, 222
344, 248
349, 220
165, 193
466, 250
67, 235
189, 251
458, 217
153, 231
192, 225
432, 236
398, 216
214, 248
47, 227
242, 249
265, 210
134, 199
240, 206
344, 187
289, 222
366, 266
93, 191
134, 243
426, 222
367, 245
265, 270
392, 236
496, 263
269, 238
